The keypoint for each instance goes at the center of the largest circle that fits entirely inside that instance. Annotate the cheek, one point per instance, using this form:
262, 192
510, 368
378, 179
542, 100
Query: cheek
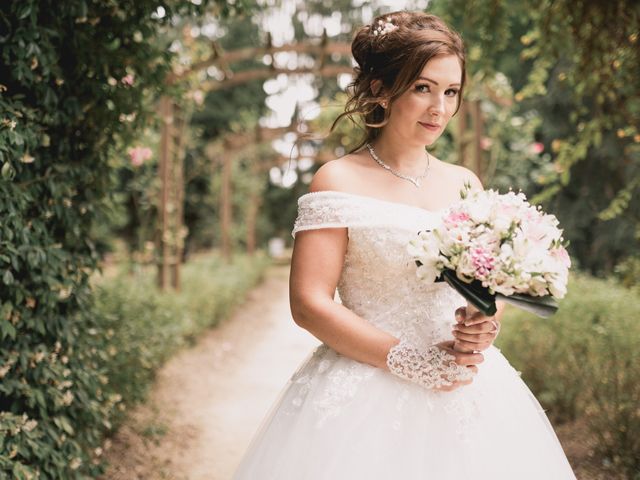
401, 111
452, 104
449, 110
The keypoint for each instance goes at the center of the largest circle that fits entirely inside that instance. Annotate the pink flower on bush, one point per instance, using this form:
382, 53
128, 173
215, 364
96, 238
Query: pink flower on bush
138, 155
485, 143
198, 97
128, 80
536, 148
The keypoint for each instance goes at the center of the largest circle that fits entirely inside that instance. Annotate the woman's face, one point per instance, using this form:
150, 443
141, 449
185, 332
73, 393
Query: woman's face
420, 115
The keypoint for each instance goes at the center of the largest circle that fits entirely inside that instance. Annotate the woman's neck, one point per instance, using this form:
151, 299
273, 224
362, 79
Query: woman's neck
403, 158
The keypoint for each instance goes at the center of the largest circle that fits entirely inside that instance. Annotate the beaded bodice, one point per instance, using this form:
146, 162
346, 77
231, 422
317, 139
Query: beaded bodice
378, 279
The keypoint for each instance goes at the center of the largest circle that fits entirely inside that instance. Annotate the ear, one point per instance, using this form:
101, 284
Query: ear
376, 87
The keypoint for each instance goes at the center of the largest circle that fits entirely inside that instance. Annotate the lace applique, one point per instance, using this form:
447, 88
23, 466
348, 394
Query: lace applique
379, 283
339, 376
431, 367
400, 402
466, 410
326, 210
343, 383
307, 375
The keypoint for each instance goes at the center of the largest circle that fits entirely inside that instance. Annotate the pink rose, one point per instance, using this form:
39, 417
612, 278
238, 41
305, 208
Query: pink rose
128, 80
138, 155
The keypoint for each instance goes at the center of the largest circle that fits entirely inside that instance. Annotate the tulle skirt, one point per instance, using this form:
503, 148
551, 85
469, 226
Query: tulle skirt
341, 419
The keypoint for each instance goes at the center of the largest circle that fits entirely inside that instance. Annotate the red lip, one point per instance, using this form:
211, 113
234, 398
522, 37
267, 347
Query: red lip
430, 126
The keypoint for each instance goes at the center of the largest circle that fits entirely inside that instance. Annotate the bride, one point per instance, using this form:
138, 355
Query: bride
385, 396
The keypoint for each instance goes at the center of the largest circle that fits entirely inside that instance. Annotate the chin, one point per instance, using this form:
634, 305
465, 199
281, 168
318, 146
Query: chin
430, 140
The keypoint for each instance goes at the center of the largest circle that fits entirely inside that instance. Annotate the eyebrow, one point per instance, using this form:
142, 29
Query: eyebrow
436, 83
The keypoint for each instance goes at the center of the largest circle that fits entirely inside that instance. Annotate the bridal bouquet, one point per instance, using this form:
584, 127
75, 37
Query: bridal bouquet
494, 246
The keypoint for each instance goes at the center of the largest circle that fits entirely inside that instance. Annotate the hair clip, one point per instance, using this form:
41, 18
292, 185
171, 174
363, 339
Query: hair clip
382, 28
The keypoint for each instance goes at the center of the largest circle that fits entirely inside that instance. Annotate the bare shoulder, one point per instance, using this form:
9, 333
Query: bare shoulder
460, 176
337, 175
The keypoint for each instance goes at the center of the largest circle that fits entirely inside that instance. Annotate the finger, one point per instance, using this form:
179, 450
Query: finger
466, 345
445, 389
476, 318
469, 358
484, 327
460, 314
474, 337
460, 383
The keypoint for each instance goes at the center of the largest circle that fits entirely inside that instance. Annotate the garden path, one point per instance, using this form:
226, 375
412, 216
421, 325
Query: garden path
208, 401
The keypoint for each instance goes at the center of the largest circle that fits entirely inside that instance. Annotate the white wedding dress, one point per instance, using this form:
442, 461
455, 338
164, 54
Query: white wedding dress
339, 419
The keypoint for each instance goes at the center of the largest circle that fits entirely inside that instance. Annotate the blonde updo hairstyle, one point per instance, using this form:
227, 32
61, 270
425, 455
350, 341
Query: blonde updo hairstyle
394, 49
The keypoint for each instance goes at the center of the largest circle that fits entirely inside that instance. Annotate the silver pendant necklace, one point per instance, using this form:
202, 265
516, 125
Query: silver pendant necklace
415, 180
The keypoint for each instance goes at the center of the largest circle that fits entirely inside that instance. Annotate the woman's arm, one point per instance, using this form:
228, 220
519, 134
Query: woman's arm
315, 269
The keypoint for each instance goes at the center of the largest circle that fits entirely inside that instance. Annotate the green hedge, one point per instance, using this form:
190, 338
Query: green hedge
142, 326
72, 74
584, 362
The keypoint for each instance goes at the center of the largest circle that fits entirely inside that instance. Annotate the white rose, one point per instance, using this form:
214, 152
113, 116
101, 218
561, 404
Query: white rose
479, 211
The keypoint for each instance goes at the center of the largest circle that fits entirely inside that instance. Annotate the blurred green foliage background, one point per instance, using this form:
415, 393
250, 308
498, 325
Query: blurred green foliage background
557, 85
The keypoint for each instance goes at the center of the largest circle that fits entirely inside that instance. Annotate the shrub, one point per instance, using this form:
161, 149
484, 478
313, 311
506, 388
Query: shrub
141, 327
585, 362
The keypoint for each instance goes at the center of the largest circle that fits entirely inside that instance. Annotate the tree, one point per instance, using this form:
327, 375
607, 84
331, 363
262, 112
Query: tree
580, 64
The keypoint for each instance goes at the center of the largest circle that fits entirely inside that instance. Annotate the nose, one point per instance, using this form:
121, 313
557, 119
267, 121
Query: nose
437, 107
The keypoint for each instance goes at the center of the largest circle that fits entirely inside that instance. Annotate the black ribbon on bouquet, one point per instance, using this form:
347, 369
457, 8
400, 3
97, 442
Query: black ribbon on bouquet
483, 300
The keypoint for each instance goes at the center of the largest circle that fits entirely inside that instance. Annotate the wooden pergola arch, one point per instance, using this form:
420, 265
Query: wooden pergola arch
173, 133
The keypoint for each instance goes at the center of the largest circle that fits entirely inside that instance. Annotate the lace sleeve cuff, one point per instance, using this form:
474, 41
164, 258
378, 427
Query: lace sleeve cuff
431, 367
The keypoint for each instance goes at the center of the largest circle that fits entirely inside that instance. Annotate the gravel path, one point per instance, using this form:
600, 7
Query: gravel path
208, 401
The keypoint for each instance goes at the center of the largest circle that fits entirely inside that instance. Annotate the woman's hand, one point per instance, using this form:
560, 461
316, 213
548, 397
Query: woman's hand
435, 367
470, 360
476, 332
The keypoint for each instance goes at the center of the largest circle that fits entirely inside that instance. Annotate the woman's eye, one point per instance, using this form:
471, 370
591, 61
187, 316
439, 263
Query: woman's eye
451, 92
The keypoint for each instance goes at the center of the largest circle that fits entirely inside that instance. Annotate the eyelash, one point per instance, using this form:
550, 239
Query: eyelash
454, 90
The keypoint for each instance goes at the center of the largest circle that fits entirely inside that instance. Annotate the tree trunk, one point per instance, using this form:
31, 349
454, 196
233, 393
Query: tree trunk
226, 207
165, 179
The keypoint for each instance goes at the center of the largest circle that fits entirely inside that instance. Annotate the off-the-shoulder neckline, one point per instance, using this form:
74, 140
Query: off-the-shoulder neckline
367, 197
